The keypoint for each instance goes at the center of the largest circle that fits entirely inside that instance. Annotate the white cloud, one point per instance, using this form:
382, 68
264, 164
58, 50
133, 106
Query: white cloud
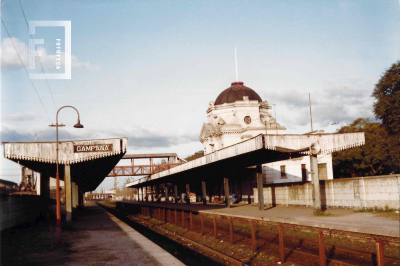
10, 57
19, 117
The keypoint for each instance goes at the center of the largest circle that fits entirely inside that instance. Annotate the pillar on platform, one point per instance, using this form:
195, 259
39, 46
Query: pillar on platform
203, 188
260, 186
166, 192
38, 183
74, 194
226, 192
187, 194
68, 193
152, 193
176, 193
316, 193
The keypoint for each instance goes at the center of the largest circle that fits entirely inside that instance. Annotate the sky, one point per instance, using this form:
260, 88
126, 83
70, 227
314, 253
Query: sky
146, 70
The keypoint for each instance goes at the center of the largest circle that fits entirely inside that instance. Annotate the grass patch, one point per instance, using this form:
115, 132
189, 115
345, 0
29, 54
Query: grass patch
387, 212
376, 210
323, 214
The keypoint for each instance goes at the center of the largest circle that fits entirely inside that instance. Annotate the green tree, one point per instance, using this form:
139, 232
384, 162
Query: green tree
387, 94
379, 155
197, 154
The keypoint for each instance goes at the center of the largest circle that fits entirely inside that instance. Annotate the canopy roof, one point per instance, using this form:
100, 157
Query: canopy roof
90, 160
257, 150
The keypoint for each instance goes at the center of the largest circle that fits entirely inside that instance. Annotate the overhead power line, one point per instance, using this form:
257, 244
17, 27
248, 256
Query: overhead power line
26, 71
26, 21
47, 82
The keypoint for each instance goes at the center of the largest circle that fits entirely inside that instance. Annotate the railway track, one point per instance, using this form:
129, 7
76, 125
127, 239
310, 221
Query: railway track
189, 258
318, 253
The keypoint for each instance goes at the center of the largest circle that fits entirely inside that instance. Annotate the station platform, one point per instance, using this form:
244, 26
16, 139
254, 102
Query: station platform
95, 237
337, 219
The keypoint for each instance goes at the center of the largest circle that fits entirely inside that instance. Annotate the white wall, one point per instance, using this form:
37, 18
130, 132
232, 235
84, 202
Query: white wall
363, 192
272, 171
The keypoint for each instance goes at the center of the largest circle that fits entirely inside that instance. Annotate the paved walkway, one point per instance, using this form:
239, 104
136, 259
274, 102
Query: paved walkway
341, 219
95, 238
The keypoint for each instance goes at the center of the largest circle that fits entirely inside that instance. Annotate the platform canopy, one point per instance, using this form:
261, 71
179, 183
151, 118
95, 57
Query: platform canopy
90, 160
257, 150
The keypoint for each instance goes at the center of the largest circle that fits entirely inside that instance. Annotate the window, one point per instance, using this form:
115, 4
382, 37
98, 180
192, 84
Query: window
283, 172
303, 173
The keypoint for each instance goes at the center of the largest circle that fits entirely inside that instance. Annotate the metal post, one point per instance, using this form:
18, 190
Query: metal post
226, 190
215, 227
281, 245
315, 184
187, 194
321, 247
231, 229
176, 193
260, 186
203, 186
253, 237
152, 193
68, 192
202, 223
183, 219
379, 253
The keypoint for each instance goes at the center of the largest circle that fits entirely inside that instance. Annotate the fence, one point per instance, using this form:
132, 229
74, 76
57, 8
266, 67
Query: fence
301, 244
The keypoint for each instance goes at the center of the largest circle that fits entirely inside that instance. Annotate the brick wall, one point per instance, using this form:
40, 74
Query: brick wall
363, 192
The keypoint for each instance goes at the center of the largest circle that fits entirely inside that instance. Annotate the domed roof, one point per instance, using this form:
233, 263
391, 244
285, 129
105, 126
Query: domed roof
235, 93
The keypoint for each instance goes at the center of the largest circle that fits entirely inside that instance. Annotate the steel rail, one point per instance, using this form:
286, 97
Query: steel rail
288, 226
213, 251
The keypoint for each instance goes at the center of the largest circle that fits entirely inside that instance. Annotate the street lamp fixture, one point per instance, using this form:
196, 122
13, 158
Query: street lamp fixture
78, 125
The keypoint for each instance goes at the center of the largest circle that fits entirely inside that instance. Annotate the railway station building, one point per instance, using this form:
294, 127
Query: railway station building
238, 114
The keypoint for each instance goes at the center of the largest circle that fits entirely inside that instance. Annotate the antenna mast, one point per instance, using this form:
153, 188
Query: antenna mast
237, 79
309, 99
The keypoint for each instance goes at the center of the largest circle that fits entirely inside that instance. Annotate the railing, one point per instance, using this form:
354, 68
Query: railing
141, 169
304, 245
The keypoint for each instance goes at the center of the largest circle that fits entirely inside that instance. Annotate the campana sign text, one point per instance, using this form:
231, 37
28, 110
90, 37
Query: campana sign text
93, 148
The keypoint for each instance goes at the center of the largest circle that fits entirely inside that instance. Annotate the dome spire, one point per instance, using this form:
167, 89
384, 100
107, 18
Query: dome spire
237, 79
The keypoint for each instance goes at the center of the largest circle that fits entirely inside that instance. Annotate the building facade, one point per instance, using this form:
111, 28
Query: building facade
238, 114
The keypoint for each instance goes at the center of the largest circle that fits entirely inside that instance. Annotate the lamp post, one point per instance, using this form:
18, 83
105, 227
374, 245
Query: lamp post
78, 125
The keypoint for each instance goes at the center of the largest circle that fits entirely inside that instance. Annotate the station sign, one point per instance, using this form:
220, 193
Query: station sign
93, 148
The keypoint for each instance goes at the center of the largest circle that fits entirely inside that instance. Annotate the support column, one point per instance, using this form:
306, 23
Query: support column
38, 183
158, 193
74, 192
203, 188
260, 186
152, 193
176, 193
187, 194
166, 192
316, 193
226, 192
68, 193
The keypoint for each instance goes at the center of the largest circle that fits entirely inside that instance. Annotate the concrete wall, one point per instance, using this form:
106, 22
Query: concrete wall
364, 192
16, 210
